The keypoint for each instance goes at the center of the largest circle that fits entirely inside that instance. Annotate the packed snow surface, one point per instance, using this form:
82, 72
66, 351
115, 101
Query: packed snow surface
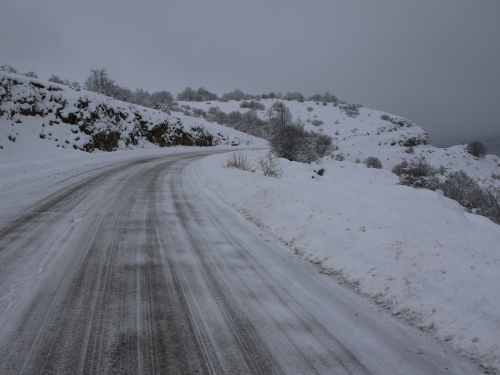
413, 251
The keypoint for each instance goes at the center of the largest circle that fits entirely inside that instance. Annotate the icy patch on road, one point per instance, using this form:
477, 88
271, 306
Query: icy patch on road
413, 251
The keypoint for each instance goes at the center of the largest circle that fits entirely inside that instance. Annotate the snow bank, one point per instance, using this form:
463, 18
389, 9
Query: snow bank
413, 251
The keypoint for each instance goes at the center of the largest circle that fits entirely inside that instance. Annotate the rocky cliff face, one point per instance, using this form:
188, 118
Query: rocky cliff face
87, 121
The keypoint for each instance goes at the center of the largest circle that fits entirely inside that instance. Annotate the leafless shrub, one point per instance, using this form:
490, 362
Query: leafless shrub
238, 160
466, 191
476, 149
373, 162
269, 164
463, 189
492, 207
339, 157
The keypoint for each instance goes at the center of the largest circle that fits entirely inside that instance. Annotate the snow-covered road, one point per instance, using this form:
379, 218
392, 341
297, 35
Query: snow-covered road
132, 267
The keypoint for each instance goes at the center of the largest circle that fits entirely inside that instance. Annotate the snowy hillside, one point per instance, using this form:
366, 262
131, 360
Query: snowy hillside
45, 115
413, 251
347, 125
373, 133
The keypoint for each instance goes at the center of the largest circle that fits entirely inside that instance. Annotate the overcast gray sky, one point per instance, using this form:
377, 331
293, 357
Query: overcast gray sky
435, 62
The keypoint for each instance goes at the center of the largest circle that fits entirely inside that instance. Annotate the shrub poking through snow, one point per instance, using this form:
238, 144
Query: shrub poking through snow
269, 164
323, 145
466, 191
492, 207
463, 189
418, 173
476, 149
339, 157
238, 160
294, 143
373, 162
317, 122
253, 105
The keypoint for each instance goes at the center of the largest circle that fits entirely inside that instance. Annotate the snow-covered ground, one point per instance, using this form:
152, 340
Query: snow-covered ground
367, 134
365, 129
413, 251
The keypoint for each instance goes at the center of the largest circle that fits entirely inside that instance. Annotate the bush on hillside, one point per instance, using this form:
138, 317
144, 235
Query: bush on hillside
492, 207
417, 173
322, 144
476, 149
294, 143
467, 192
252, 104
463, 189
373, 162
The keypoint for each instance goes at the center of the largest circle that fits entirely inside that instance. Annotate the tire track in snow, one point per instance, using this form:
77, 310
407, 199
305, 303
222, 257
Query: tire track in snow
155, 280
197, 215
93, 297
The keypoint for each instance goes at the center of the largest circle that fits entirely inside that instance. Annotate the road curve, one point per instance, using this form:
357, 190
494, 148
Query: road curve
131, 268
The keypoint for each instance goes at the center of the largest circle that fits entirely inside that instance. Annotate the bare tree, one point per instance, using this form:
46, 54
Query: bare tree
280, 115
99, 82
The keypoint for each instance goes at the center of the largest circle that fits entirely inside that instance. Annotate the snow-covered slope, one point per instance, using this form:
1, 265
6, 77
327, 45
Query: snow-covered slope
415, 252
368, 134
45, 115
364, 129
